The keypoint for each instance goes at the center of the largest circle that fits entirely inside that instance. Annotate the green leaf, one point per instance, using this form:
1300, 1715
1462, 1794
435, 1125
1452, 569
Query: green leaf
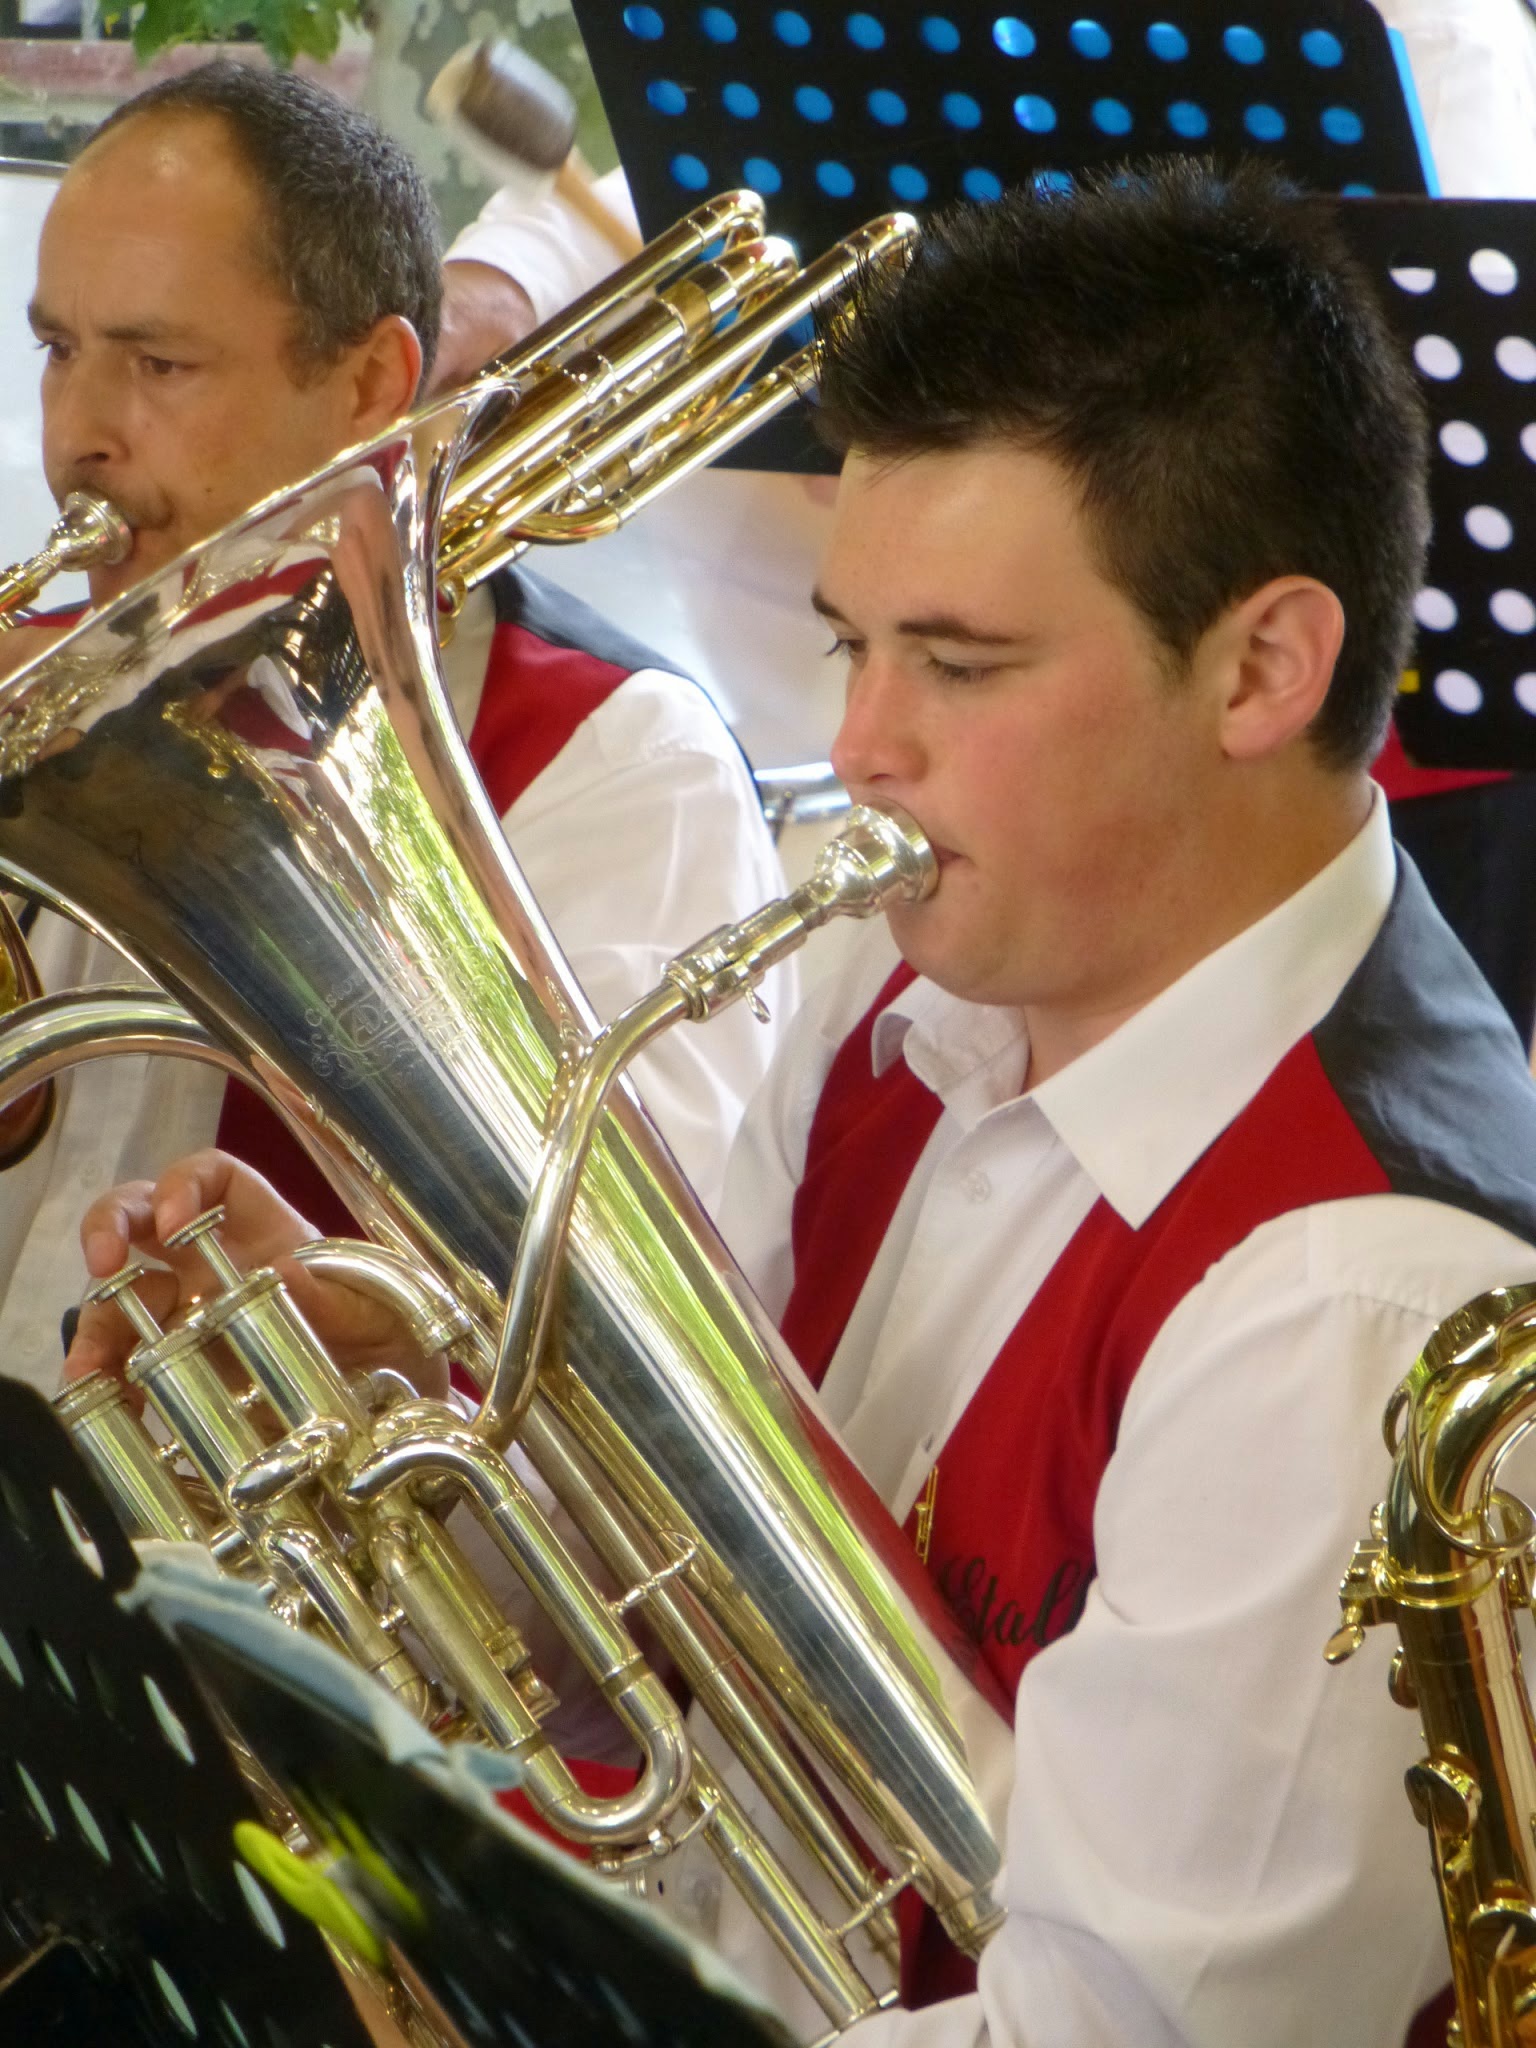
286, 28
317, 30
158, 24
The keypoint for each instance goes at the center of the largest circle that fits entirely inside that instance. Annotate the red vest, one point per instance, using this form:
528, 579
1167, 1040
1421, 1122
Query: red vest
537, 693
1011, 1537
1010, 1543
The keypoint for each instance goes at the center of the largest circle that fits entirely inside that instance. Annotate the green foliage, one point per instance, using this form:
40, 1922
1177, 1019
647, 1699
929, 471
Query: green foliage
286, 28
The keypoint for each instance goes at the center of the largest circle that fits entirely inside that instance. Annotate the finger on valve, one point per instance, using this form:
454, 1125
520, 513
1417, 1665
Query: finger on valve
259, 1229
104, 1339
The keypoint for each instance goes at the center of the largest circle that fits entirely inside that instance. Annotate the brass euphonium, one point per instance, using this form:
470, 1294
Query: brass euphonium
1449, 1561
245, 773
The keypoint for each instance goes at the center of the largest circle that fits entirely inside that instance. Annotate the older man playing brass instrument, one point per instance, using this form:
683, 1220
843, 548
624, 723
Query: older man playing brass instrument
238, 279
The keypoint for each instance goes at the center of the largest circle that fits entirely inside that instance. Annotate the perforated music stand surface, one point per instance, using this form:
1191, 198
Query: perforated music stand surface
1472, 696
837, 113
118, 1798
118, 1801
519, 1947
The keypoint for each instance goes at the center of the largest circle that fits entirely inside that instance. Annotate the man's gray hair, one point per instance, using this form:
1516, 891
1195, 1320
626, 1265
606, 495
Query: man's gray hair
352, 231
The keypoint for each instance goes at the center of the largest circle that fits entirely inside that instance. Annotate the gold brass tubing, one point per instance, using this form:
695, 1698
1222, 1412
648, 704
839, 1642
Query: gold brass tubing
506, 538
705, 1660
1456, 1450
564, 396
729, 216
550, 1573
742, 414
724, 358
743, 341
569, 396
1473, 1397
562, 400
673, 453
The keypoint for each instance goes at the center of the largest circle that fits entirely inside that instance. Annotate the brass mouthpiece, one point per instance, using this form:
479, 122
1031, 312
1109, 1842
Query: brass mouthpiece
89, 531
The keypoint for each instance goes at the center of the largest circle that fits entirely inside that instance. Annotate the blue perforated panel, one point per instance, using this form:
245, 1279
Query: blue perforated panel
843, 112
836, 113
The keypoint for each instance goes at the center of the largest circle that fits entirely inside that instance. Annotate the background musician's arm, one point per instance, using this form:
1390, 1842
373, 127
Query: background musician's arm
514, 267
1474, 64
667, 794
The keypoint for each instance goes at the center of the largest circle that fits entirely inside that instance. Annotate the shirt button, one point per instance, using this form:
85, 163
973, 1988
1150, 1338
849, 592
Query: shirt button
976, 1186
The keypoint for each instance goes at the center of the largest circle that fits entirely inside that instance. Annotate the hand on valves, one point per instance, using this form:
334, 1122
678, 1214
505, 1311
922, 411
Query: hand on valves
259, 1229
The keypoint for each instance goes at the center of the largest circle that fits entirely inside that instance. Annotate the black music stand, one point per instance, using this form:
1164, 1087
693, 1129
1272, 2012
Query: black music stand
518, 1943
126, 1915
1455, 276
837, 113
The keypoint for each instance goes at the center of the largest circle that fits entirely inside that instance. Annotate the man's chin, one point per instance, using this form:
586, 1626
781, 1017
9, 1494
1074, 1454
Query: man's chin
920, 940
959, 961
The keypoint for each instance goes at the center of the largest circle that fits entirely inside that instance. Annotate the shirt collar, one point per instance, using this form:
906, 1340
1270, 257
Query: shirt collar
1138, 1109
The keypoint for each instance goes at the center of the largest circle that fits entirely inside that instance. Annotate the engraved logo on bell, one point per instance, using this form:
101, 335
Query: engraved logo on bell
356, 1037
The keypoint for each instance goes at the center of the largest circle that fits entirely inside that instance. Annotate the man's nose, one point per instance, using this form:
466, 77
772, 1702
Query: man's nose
84, 422
879, 743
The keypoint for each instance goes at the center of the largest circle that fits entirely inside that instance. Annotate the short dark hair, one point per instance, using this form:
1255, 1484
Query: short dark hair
352, 230
1206, 361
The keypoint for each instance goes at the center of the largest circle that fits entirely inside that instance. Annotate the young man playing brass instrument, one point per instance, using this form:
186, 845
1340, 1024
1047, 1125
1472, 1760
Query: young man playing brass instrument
238, 279
1108, 1193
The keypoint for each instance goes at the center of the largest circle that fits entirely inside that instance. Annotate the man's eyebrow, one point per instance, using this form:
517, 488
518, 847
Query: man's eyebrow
42, 321
939, 626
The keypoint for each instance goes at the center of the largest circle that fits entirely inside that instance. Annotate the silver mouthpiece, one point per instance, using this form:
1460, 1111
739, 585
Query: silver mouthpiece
88, 531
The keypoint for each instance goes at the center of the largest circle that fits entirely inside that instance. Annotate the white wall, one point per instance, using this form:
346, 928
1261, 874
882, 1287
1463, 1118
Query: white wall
26, 509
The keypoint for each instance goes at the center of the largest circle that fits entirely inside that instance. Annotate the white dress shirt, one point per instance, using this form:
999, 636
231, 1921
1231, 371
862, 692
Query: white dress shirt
1207, 1841
642, 835
1474, 64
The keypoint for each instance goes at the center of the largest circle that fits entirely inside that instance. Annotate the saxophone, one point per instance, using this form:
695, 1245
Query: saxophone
1449, 1561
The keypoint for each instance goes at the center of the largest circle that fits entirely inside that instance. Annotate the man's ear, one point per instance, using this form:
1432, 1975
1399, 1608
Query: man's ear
386, 371
1277, 651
